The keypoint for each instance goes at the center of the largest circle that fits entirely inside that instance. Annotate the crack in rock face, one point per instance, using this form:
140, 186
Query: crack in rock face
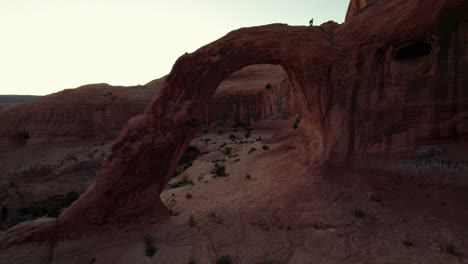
395, 74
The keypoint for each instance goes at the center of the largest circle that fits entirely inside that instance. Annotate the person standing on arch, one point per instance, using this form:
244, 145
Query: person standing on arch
311, 22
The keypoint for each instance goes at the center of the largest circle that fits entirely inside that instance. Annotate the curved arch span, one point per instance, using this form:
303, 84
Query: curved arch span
146, 152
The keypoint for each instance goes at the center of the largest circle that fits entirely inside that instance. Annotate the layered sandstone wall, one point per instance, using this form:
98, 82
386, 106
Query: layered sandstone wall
257, 92
102, 110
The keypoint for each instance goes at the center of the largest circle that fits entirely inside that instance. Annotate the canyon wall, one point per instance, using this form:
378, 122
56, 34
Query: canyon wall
257, 92
102, 110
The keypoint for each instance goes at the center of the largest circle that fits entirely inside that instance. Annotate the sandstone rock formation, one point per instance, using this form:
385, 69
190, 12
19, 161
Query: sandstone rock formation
257, 92
101, 110
45, 159
356, 6
393, 77
88, 111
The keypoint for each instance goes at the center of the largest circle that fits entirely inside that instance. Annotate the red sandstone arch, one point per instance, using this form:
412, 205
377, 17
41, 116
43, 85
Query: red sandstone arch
349, 100
147, 151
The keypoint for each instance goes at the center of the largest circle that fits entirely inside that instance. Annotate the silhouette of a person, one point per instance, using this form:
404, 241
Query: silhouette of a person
311, 22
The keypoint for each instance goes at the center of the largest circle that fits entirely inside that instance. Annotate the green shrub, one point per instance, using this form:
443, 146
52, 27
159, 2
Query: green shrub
407, 243
247, 134
296, 123
227, 151
268, 86
265, 147
232, 137
358, 213
150, 249
450, 249
191, 222
183, 181
220, 171
224, 260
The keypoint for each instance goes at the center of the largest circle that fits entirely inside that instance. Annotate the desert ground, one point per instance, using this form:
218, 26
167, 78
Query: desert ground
270, 207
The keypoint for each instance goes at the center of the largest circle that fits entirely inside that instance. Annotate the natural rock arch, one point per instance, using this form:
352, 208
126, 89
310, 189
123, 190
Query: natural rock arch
146, 153
354, 98
354, 101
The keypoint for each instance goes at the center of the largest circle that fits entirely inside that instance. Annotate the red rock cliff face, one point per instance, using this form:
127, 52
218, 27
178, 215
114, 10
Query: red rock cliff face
391, 77
257, 92
88, 111
356, 6
102, 110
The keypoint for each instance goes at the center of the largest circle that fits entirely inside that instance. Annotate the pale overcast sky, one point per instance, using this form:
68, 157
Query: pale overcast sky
49, 45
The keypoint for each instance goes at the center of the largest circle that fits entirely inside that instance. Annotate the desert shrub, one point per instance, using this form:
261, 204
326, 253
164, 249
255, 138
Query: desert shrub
220, 132
268, 86
183, 181
407, 243
220, 171
191, 221
449, 249
232, 137
358, 213
247, 134
265, 147
296, 123
150, 249
227, 151
224, 260
252, 150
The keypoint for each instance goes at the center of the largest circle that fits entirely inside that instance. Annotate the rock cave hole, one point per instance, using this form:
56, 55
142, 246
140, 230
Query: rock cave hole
413, 51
